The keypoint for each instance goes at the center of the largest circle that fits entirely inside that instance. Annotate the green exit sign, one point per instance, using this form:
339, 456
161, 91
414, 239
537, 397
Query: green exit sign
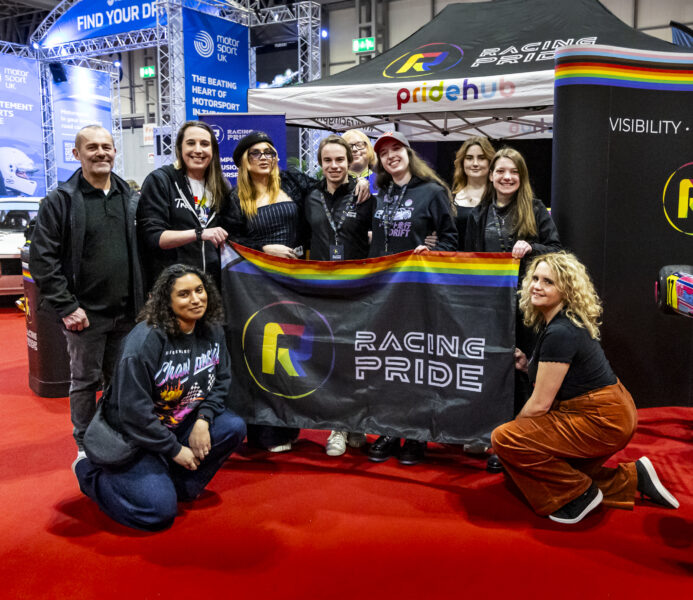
363, 45
147, 72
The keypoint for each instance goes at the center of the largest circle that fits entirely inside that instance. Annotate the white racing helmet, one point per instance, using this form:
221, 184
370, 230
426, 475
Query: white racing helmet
16, 169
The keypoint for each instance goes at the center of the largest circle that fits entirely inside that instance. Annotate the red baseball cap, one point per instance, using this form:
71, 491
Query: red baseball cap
390, 135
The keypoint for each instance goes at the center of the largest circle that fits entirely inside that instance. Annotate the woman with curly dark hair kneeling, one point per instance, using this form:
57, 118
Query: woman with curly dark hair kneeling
163, 431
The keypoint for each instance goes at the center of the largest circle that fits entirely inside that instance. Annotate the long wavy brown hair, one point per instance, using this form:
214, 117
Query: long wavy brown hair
418, 168
214, 178
157, 311
459, 179
522, 209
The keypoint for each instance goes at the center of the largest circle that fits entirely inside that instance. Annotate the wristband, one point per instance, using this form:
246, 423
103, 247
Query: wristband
198, 233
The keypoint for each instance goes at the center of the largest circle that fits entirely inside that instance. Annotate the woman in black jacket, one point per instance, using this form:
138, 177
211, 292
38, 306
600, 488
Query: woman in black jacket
509, 217
413, 204
181, 206
167, 403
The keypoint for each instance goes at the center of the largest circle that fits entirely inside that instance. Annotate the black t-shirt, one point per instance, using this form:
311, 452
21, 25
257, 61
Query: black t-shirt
104, 276
353, 221
564, 342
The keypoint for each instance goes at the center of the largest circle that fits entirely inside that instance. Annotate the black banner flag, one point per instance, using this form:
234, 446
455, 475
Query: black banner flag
414, 345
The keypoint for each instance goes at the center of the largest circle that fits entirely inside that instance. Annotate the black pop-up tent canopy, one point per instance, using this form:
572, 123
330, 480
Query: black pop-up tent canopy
482, 67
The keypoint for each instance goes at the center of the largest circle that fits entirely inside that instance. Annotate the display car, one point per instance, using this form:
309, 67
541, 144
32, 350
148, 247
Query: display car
15, 216
674, 290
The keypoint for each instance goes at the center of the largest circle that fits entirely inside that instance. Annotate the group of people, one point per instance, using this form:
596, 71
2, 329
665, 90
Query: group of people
99, 250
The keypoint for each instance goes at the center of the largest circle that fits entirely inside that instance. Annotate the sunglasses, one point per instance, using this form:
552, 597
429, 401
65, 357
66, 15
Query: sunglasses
259, 154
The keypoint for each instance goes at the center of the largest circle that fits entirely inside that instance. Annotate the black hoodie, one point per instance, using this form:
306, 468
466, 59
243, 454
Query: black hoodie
425, 208
166, 203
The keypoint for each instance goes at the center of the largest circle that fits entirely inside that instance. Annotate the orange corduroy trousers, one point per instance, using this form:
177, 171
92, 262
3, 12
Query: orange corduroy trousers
555, 457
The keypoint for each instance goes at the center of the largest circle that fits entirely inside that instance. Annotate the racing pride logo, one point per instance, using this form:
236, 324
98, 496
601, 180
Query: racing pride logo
289, 349
677, 199
218, 132
204, 44
426, 60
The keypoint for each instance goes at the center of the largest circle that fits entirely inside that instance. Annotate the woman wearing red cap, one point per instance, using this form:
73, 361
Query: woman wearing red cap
414, 202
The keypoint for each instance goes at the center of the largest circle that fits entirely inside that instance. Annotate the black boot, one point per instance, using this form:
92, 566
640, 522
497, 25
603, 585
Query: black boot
383, 448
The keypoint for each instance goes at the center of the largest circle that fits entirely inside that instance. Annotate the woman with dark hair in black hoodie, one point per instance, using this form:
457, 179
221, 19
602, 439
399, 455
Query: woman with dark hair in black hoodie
413, 204
165, 408
180, 214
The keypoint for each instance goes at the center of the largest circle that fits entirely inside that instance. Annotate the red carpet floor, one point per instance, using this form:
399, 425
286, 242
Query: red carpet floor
304, 525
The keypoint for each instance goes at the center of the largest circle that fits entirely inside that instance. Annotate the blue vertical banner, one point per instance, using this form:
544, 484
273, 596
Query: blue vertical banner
22, 171
229, 129
83, 99
216, 64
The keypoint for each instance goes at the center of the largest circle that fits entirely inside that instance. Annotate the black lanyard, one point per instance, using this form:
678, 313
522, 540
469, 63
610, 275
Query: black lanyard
499, 228
391, 204
336, 227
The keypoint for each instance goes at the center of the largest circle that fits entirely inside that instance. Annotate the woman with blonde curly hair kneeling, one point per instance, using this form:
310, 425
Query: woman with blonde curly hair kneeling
579, 413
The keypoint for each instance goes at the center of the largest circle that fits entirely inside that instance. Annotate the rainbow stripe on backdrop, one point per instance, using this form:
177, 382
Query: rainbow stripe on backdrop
621, 67
441, 268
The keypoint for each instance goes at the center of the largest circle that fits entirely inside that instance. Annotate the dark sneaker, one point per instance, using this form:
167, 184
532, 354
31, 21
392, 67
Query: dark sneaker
493, 464
412, 452
383, 448
578, 509
651, 487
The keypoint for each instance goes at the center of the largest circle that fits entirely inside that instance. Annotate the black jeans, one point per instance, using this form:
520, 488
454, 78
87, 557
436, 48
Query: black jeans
93, 353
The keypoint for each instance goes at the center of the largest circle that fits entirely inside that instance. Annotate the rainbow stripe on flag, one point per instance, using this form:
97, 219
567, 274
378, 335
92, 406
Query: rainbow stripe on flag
621, 67
441, 268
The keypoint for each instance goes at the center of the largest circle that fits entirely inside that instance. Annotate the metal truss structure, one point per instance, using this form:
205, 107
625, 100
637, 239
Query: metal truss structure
167, 37
307, 16
15, 50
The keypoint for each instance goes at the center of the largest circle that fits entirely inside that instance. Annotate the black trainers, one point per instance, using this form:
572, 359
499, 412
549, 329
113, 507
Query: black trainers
383, 448
412, 452
493, 464
650, 486
578, 509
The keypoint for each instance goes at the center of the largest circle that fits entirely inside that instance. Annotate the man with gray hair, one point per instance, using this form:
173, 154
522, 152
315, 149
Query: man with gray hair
85, 263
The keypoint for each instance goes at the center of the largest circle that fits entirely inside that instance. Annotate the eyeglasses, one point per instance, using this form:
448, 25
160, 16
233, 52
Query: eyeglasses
259, 154
358, 146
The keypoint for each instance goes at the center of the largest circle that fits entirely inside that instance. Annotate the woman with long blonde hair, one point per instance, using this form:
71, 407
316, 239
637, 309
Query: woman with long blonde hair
267, 214
266, 204
579, 414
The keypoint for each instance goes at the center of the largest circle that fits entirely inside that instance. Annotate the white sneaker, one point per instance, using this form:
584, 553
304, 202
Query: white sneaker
336, 443
356, 440
281, 448
81, 455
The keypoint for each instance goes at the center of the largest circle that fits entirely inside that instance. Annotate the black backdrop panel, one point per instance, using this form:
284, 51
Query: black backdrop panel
615, 149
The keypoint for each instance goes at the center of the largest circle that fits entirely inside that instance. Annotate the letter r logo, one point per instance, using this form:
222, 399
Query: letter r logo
419, 63
290, 360
685, 197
